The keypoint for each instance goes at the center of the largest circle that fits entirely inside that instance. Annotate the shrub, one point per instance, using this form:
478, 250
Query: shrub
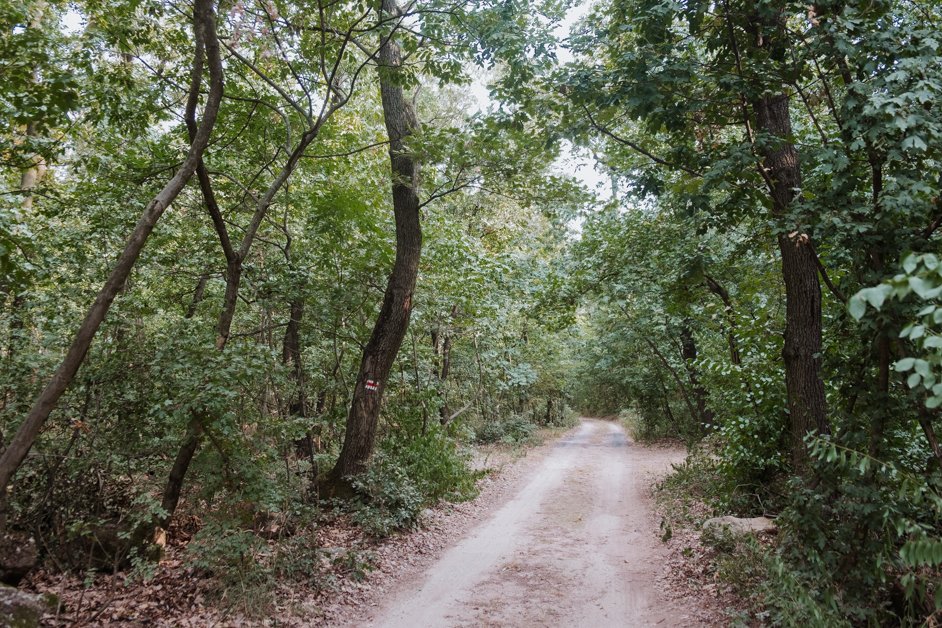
408, 474
391, 499
512, 431
238, 561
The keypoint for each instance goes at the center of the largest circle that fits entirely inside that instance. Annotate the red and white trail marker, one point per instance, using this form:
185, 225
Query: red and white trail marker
372, 385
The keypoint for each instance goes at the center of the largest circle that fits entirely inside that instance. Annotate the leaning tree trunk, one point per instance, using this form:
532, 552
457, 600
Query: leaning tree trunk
806, 402
204, 23
393, 321
717, 288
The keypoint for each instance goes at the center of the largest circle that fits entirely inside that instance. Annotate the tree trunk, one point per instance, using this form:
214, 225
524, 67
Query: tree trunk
444, 412
291, 355
689, 352
717, 288
673, 373
801, 353
33, 175
198, 293
206, 43
393, 320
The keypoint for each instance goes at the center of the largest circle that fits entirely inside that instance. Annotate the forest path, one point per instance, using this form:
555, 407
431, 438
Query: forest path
575, 546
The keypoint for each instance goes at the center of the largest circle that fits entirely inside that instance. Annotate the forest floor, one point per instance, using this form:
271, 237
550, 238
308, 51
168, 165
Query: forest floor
565, 535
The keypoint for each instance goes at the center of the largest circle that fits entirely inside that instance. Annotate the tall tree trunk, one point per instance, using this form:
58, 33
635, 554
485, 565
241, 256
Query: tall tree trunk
33, 175
234, 268
393, 321
806, 402
206, 44
444, 412
291, 354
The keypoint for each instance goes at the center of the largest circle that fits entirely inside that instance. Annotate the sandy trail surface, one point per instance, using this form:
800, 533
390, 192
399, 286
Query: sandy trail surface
575, 545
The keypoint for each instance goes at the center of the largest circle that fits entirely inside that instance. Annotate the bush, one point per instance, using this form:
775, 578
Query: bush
238, 561
512, 431
391, 499
408, 474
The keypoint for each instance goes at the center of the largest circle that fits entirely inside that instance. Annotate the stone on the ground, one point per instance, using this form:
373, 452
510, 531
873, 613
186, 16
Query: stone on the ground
17, 557
425, 516
19, 609
738, 525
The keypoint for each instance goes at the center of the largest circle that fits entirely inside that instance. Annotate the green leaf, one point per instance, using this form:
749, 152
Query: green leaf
876, 295
922, 287
857, 307
932, 342
904, 365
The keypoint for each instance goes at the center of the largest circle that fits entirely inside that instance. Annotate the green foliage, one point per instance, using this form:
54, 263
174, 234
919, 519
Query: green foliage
921, 279
515, 430
238, 561
408, 475
392, 499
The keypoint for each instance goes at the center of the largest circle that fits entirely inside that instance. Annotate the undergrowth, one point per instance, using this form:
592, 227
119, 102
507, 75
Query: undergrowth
876, 569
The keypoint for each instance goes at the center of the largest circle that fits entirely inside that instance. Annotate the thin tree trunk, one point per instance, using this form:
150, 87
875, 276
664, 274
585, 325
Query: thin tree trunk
234, 268
33, 175
925, 421
393, 320
689, 352
291, 354
444, 411
717, 288
677, 380
198, 293
206, 42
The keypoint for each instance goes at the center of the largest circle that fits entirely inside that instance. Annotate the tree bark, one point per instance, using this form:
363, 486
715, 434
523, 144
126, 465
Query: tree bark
677, 380
291, 355
803, 327
198, 293
205, 35
33, 175
444, 412
393, 321
717, 288
689, 352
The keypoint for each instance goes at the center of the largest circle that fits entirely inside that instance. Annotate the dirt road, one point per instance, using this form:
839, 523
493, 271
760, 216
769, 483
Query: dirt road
575, 546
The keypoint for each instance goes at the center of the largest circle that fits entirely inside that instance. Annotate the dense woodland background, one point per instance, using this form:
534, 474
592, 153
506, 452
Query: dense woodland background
222, 223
